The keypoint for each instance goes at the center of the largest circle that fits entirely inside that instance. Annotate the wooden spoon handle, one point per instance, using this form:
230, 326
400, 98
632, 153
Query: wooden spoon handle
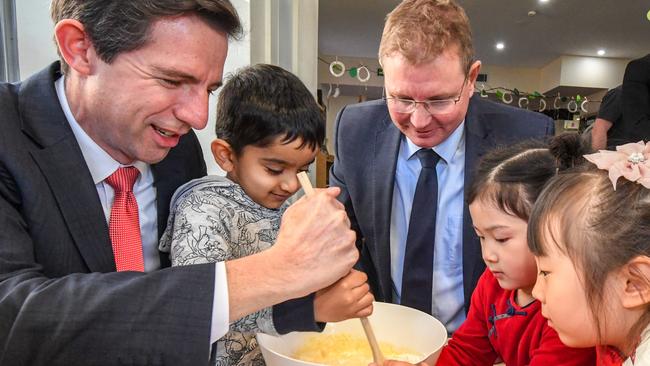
305, 183
377, 356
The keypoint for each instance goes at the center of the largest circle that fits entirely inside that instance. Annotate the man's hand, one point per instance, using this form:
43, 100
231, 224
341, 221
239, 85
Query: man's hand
315, 246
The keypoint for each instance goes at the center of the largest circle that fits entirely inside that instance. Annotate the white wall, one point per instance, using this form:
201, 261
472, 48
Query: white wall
285, 33
588, 72
304, 42
551, 75
36, 47
592, 72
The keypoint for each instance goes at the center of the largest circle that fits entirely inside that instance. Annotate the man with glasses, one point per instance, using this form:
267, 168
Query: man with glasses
402, 162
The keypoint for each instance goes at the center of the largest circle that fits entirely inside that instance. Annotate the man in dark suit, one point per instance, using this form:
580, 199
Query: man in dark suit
636, 99
120, 107
402, 162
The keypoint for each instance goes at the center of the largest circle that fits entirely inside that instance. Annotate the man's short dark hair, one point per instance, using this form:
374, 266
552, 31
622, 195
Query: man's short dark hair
116, 26
260, 103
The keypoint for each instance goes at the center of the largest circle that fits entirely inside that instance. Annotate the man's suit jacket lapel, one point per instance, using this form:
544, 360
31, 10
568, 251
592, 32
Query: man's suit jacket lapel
384, 163
61, 163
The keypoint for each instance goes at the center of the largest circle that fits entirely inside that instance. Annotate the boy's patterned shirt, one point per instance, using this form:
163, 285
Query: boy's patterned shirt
212, 219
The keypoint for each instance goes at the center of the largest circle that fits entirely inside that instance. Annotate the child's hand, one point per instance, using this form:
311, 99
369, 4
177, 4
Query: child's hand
349, 297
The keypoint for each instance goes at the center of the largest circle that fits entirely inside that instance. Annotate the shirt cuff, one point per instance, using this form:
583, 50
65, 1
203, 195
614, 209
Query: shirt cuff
296, 315
220, 305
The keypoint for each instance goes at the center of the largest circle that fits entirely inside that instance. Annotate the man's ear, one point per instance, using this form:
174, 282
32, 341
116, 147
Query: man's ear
472, 75
223, 154
636, 275
74, 45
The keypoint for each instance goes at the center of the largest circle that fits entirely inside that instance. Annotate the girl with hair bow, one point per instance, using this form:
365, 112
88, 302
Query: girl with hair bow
590, 233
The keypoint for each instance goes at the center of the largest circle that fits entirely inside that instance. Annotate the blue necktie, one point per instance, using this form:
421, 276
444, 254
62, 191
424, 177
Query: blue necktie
417, 271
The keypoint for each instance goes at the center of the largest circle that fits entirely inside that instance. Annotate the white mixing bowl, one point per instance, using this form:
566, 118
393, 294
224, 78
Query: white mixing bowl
394, 324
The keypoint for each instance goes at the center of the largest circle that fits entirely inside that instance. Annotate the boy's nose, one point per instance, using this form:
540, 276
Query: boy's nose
290, 184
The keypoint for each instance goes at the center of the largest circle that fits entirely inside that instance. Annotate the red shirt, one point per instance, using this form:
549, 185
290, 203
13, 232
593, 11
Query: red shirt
496, 327
608, 356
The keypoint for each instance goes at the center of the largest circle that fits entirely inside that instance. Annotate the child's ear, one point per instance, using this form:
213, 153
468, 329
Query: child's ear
223, 154
636, 273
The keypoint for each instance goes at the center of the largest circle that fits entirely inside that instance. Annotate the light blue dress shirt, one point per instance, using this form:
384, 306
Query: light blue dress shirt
448, 297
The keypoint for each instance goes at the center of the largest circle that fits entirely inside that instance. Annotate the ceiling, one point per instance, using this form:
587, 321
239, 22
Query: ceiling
560, 27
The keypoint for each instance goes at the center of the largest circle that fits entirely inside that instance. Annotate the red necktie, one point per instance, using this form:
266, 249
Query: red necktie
124, 224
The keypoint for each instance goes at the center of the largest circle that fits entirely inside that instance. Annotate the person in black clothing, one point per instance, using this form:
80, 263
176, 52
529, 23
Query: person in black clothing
636, 99
608, 130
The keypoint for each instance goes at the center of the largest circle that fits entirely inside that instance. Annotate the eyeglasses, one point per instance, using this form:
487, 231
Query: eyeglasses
437, 106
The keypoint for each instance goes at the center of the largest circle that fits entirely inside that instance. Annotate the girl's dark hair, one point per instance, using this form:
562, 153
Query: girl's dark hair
600, 229
262, 102
512, 177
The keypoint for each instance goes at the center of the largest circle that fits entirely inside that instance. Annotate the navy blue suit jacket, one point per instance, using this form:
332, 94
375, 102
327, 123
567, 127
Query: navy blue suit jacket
367, 144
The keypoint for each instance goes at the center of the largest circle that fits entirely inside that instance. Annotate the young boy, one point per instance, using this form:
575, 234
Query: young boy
269, 128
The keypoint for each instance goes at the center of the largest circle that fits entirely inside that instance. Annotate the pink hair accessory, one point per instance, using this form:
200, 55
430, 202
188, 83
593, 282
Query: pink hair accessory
631, 161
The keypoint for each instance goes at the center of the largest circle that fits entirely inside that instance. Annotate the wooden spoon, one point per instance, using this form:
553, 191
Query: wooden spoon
377, 356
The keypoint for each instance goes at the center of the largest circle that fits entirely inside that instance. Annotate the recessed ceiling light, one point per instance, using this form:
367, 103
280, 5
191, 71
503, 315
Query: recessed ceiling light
543, 1
500, 46
601, 52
